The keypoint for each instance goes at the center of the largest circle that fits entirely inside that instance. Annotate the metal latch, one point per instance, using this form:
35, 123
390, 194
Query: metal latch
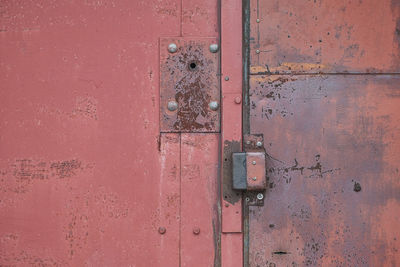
249, 171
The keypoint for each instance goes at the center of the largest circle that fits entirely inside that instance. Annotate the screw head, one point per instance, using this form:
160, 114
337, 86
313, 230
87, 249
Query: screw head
227, 78
260, 196
213, 48
238, 100
172, 105
254, 178
213, 105
172, 48
259, 144
258, 51
258, 20
196, 230
162, 230
254, 162
248, 142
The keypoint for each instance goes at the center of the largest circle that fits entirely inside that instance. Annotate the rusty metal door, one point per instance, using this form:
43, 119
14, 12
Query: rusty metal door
110, 127
324, 92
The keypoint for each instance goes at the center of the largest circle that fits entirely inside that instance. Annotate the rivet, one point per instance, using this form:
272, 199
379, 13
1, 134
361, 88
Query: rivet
196, 230
259, 144
254, 162
213, 105
226, 78
258, 51
238, 100
248, 142
258, 20
172, 105
213, 48
254, 178
162, 230
260, 196
172, 48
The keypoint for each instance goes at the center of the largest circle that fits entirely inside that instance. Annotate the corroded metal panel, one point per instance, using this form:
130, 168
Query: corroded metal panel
189, 80
333, 153
325, 36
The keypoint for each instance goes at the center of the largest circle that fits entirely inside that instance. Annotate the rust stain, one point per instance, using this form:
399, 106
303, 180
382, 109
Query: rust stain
189, 77
292, 67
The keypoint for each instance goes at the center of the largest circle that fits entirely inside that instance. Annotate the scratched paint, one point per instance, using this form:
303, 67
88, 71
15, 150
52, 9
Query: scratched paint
332, 145
324, 36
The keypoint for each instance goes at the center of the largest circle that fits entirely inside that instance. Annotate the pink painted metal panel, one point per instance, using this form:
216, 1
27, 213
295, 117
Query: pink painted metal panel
80, 160
199, 198
170, 201
200, 18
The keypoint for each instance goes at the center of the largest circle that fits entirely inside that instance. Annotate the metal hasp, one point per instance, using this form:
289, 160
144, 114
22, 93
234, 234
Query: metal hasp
189, 85
249, 171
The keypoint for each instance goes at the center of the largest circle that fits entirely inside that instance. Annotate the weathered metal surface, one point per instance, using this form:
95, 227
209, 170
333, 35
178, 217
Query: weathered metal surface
254, 143
86, 178
231, 130
189, 77
256, 173
200, 232
325, 36
333, 146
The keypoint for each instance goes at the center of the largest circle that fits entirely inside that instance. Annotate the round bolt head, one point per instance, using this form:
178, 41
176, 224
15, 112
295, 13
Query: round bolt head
259, 144
213, 105
258, 51
172, 48
172, 105
213, 48
196, 230
162, 230
226, 78
254, 178
258, 20
254, 162
260, 196
238, 100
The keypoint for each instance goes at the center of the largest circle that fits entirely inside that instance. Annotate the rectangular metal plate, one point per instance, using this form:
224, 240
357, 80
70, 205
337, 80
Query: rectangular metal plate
239, 171
256, 176
189, 78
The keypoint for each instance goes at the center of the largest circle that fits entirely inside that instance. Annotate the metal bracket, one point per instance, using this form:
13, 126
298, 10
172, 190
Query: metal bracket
189, 85
249, 171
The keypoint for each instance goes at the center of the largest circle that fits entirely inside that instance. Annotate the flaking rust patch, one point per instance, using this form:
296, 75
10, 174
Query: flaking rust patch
189, 78
290, 67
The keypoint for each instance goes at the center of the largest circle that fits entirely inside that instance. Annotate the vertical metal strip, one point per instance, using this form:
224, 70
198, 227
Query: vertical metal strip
246, 115
231, 130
